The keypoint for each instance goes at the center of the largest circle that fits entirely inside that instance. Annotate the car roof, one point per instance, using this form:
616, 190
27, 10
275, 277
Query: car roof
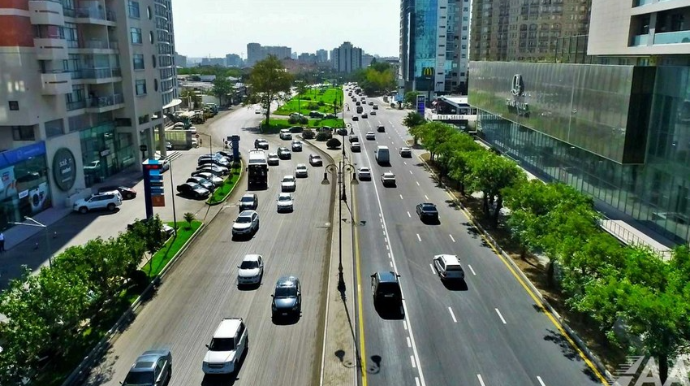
301, 166
387, 277
287, 282
364, 168
449, 259
252, 195
227, 328
389, 174
288, 176
251, 257
285, 195
246, 213
147, 361
427, 204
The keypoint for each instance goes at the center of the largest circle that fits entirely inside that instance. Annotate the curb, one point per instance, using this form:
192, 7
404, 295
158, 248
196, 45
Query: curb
571, 333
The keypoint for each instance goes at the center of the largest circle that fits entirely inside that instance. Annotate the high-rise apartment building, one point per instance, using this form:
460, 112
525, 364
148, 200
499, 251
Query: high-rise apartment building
525, 30
233, 60
180, 60
321, 56
213, 62
433, 45
618, 130
346, 58
257, 52
82, 87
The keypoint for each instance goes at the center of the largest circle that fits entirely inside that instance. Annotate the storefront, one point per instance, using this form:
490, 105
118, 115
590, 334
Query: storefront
105, 152
24, 187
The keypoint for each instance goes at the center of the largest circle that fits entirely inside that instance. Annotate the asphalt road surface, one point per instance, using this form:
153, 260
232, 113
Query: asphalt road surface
487, 331
201, 289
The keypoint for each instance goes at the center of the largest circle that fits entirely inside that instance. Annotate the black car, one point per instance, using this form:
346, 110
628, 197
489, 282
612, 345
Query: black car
385, 288
316, 114
354, 138
365, 116
427, 211
355, 118
127, 193
287, 297
296, 146
284, 153
206, 184
249, 201
193, 190
381, 129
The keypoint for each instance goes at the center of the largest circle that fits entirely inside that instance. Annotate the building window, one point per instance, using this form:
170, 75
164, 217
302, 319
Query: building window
141, 87
144, 119
148, 12
138, 61
133, 8
151, 37
135, 33
14, 105
153, 60
155, 85
23, 133
55, 128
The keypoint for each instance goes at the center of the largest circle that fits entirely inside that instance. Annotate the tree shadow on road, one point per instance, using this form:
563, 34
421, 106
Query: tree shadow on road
570, 352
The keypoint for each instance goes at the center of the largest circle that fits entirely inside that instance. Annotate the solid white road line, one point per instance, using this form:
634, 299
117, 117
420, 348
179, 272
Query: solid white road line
500, 316
451, 237
417, 183
481, 381
414, 365
409, 344
427, 198
419, 238
472, 269
405, 324
452, 315
540, 381
401, 197
432, 269
408, 215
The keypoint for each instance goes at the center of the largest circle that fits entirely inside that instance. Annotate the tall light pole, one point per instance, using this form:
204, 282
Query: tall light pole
39, 225
210, 143
339, 171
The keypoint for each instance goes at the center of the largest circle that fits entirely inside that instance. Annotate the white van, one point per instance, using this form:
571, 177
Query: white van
382, 155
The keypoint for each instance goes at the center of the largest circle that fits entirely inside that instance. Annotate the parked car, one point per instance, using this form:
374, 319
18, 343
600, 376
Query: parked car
315, 160
388, 179
285, 202
217, 181
301, 171
284, 153
427, 211
246, 224
287, 297
376, 107
448, 267
251, 271
229, 343
215, 169
193, 190
288, 184
206, 184
100, 201
152, 368
127, 193
249, 201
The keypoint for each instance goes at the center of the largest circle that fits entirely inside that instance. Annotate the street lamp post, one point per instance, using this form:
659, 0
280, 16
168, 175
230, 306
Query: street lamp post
210, 143
339, 171
39, 225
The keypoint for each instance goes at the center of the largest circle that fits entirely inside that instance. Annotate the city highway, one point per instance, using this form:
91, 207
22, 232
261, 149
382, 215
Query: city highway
487, 332
201, 289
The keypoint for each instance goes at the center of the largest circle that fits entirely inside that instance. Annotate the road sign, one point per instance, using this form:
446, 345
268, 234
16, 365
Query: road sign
420, 104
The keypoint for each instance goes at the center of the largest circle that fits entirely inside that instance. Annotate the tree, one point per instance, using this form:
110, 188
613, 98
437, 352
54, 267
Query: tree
189, 218
191, 97
491, 174
413, 120
411, 97
221, 88
434, 134
267, 79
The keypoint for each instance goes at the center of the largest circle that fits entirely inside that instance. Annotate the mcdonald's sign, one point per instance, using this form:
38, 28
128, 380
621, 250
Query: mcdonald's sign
428, 72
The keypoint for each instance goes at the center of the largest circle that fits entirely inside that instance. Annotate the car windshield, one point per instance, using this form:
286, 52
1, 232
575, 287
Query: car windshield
244, 220
139, 378
222, 344
286, 292
249, 265
248, 199
429, 208
287, 179
453, 268
284, 198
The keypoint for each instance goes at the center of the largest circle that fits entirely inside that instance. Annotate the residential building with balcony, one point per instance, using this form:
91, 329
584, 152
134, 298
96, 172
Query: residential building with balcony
616, 128
346, 58
82, 86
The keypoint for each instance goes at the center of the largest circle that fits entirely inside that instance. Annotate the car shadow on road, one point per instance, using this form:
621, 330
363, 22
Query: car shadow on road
219, 380
390, 313
286, 320
455, 285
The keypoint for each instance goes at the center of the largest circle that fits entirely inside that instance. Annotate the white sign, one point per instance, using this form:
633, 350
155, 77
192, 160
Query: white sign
642, 372
451, 117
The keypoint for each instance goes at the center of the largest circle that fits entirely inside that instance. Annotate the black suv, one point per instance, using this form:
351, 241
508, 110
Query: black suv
287, 298
385, 288
381, 129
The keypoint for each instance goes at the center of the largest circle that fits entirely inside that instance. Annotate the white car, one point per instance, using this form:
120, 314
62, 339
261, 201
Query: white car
285, 202
448, 267
364, 173
227, 346
388, 179
301, 171
288, 184
246, 223
273, 159
370, 136
101, 201
251, 270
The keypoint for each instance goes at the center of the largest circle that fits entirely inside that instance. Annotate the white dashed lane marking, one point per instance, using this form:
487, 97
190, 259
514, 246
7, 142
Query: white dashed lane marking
451, 237
472, 269
500, 316
419, 238
452, 315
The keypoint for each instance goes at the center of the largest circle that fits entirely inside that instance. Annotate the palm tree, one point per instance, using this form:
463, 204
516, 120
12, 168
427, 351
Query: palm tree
412, 120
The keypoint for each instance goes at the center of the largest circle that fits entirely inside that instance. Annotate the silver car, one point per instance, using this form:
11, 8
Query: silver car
152, 368
251, 270
285, 202
247, 223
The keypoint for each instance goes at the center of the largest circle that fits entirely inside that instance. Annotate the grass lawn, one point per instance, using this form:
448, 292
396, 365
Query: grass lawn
304, 106
162, 257
222, 192
277, 124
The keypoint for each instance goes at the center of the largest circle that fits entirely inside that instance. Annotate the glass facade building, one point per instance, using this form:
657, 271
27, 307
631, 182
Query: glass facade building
620, 134
105, 152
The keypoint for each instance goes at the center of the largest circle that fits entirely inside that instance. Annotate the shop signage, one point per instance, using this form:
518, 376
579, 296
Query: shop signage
450, 117
64, 170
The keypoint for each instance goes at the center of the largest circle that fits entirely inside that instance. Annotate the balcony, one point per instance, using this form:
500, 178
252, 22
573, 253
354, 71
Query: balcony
97, 75
640, 40
56, 83
75, 105
51, 48
104, 104
677, 37
97, 46
92, 16
46, 13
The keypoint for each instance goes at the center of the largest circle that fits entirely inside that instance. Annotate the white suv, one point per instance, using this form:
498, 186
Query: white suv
100, 201
229, 343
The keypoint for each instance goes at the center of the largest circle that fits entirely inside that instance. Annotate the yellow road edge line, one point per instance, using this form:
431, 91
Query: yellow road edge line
362, 349
537, 299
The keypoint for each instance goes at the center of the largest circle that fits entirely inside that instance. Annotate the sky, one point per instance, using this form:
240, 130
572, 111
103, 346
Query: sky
218, 27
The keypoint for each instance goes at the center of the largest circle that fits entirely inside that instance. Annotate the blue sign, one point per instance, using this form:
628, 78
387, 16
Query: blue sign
235, 139
420, 104
14, 156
